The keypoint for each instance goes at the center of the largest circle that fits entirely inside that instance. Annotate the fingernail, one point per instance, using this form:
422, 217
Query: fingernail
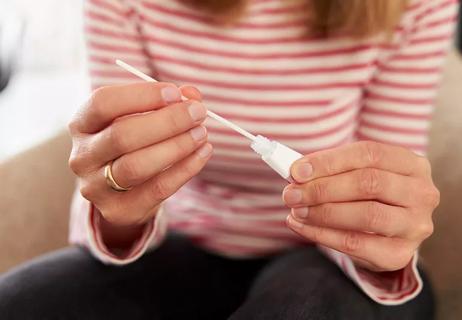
205, 150
170, 94
197, 111
303, 171
294, 223
198, 133
301, 213
292, 196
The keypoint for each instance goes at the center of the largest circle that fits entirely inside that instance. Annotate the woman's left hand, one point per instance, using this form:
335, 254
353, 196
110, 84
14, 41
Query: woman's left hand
371, 201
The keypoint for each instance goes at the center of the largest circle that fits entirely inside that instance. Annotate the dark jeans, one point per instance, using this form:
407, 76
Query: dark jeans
180, 281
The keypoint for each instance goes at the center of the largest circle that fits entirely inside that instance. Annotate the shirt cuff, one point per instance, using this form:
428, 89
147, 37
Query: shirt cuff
386, 288
151, 236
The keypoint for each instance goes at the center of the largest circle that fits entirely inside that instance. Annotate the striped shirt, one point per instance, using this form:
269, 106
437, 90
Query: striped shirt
266, 75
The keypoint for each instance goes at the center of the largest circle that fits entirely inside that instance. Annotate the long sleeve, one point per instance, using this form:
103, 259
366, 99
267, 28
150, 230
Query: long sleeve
397, 108
111, 33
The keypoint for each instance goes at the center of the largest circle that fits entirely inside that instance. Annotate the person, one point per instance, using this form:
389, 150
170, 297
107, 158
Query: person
184, 234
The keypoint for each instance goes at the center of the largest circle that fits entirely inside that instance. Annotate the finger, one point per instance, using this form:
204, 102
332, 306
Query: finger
362, 216
137, 167
137, 205
165, 184
132, 133
362, 184
364, 154
191, 93
387, 254
108, 103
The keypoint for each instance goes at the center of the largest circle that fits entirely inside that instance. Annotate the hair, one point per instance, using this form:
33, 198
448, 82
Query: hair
354, 18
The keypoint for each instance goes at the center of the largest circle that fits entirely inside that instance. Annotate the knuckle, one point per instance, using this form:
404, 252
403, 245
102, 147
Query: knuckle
369, 182
319, 191
318, 234
325, 214
372, 151
77, 159
160, 189
326, 163
431, 196
376, 217
129, 169
96, 103
425, 229
174, 121
87, 190
181, 146
73, 125
192, 168
351, 242
116, 138
75, 163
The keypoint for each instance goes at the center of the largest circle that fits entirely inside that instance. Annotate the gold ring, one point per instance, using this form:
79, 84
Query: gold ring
111, 181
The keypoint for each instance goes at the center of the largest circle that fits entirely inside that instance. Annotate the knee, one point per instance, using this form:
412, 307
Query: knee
41, 288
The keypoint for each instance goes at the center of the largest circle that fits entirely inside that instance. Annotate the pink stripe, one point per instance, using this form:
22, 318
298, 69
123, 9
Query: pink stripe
106, 61
286, 120
394, 129
443, 37
258, 87
419, 70
220, 37
431, 10
103, 18
115, 48
265, 104
418, 147
437, 23
251, 71
281, 10
409, 101
423, 116
348, 123
417, 56
109, 7
237, 70
204, 19
258, 56
403, 85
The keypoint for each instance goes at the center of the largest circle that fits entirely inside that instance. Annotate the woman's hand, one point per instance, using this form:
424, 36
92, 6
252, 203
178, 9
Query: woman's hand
371, 201
156, 141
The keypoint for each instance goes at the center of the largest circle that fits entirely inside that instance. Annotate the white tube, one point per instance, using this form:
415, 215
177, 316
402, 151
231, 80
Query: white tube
278, 156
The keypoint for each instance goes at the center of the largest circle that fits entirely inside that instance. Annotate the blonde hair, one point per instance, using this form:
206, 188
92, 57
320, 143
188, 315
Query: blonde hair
355, 18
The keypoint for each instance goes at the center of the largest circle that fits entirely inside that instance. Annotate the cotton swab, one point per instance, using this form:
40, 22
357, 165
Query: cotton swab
211, 114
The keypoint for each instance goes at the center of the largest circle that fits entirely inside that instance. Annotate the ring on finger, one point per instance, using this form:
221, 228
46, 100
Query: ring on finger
111, 182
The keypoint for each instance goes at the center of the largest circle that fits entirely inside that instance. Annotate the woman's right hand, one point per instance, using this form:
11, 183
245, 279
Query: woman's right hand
156, 141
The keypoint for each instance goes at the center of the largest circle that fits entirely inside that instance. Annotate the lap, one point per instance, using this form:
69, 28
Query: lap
179, 281
303, 284
176, 281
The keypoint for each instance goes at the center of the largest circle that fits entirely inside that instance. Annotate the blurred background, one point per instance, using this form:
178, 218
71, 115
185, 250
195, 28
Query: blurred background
41, 65
43, 81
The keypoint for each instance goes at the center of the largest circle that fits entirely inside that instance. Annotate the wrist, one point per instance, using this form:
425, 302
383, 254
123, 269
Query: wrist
119, 236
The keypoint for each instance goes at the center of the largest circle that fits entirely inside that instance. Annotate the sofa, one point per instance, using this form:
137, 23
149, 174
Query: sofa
37, 185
